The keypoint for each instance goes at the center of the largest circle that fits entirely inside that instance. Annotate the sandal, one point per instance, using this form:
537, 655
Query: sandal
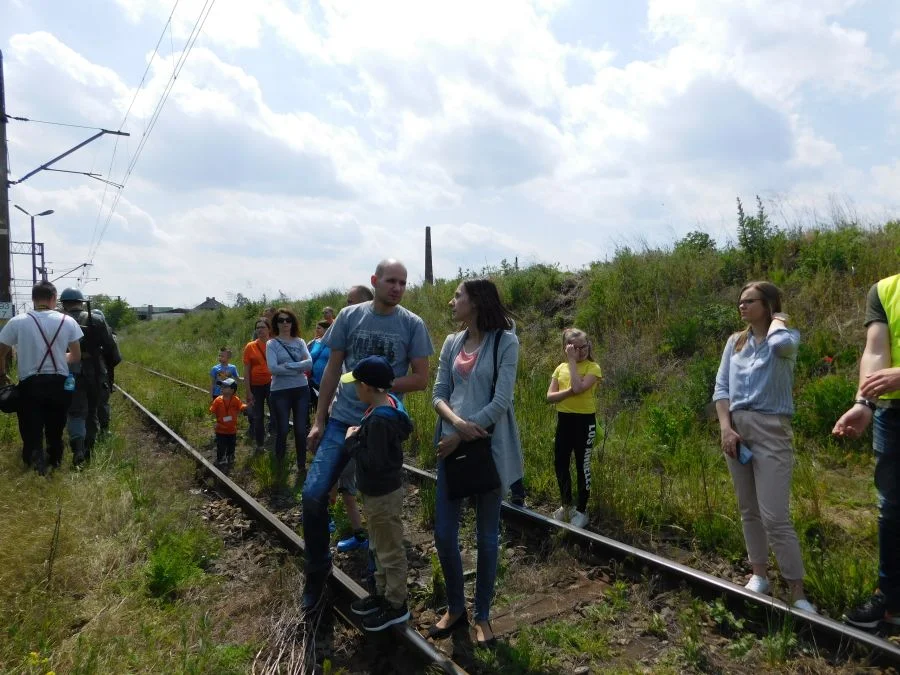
437, 633
490, 642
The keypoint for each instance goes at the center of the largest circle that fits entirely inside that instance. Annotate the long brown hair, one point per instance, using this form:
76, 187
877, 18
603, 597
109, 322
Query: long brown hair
771, 299
492, 314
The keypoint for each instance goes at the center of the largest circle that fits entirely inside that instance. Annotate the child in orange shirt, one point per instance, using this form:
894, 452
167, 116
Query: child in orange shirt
226, 408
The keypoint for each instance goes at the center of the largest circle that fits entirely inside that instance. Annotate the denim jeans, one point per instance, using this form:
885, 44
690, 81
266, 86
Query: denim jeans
886, 441
446, 540
327, 465
283, 402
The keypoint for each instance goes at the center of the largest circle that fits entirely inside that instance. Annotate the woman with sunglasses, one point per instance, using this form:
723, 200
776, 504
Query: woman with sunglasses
258, 380
754, 406
288, 359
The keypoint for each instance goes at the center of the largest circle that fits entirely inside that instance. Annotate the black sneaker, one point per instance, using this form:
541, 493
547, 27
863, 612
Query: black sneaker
872, 612
367, 605
314, 588
388, 615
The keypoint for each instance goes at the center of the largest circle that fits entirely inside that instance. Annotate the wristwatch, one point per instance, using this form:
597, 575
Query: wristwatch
866, 402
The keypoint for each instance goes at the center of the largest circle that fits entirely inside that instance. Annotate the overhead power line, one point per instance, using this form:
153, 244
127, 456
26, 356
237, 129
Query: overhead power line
137, 91
189, 46
56, 124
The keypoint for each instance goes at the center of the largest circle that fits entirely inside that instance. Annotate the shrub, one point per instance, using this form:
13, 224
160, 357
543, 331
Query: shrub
177, 559
821, 402
832, 250
755, 235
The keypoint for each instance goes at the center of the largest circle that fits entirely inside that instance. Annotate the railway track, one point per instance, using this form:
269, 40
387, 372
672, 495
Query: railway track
841, 640
344, 589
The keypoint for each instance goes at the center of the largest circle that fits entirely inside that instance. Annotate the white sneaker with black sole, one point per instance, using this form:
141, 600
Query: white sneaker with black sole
387, 616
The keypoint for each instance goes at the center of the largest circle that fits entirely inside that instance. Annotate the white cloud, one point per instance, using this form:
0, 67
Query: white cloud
339, 129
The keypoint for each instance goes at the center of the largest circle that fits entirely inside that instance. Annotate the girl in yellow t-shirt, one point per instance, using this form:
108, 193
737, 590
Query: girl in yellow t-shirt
572, 389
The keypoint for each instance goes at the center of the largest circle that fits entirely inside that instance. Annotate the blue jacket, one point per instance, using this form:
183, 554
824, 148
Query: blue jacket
320, 353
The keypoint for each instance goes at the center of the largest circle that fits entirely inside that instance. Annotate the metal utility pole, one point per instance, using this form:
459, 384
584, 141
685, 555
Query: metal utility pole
6, 307
429, 272
34, 267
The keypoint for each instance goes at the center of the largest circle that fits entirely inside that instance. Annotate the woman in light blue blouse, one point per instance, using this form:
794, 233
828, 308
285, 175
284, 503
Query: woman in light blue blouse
754, 406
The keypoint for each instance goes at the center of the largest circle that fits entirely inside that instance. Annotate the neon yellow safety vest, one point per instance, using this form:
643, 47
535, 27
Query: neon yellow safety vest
889, 294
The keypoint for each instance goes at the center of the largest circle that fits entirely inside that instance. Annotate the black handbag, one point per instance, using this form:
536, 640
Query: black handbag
10, 396
471, 470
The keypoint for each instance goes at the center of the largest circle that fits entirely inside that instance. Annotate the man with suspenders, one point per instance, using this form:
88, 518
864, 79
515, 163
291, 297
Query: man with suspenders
42, 338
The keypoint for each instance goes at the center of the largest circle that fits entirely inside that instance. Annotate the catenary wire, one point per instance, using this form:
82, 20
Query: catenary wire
125, 119
191, 42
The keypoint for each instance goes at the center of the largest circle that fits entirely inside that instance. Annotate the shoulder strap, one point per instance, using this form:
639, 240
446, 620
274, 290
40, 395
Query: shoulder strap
497, 337
48, 343
284, 347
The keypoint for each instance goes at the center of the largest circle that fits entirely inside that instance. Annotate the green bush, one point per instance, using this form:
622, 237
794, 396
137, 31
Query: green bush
821, 402
178, 559
830, 250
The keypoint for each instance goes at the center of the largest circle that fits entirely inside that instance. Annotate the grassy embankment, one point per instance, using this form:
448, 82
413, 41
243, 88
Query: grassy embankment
108, 570
659, 319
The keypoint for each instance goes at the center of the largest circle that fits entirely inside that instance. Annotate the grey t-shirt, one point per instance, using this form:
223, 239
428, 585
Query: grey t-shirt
359, 332
874, 307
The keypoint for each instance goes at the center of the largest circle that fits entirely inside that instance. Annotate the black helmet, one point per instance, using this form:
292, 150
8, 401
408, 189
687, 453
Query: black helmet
72, 295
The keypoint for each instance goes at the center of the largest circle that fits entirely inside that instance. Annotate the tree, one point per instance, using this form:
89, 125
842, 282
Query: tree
696, 242
117, 312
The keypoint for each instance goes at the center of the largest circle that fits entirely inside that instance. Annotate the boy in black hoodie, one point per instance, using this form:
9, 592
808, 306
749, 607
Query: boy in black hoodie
377, 445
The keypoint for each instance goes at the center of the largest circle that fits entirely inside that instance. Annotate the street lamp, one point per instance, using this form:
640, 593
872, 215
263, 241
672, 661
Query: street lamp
34, 266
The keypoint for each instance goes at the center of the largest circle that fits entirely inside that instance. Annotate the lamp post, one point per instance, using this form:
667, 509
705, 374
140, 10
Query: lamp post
34, 266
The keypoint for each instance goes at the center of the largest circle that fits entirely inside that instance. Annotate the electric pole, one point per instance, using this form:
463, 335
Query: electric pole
6, 309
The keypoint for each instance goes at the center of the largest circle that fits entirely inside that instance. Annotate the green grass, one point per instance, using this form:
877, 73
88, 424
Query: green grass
659, 319
130, 589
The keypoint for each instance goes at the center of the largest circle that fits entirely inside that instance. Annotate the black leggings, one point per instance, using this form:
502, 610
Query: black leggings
574, 434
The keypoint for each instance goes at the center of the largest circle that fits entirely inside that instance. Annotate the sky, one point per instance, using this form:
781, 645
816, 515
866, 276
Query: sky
304, 140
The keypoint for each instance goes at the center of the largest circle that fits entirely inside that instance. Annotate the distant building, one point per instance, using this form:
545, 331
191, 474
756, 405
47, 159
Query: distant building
148, 312
209, 304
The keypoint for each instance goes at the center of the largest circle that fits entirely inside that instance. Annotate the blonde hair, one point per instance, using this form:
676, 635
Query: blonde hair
771, 299
573, 333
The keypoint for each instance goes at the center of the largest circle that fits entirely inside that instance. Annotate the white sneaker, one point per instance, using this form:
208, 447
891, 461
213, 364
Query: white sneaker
562, 513
758, 584
805, 605
579, 519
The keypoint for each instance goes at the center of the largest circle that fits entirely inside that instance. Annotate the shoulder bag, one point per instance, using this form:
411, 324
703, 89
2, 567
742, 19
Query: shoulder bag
471, 470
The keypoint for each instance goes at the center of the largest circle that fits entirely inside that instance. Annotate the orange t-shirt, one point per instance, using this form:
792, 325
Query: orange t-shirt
226, 414
255, 363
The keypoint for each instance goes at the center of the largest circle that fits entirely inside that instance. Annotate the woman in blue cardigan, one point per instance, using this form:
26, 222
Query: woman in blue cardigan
466, 410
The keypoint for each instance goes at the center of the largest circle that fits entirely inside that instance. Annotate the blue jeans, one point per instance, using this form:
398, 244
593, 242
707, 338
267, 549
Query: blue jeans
327, 465
886, 441
282, 403
446, 540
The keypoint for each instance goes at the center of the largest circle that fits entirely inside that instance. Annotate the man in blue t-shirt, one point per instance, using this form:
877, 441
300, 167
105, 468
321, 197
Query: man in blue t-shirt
380, 327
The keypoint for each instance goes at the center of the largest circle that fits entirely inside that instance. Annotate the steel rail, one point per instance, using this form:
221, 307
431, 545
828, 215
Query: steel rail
839, 635
347, 589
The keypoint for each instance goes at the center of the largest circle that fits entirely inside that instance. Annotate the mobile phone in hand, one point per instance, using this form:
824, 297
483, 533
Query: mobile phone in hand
744, 454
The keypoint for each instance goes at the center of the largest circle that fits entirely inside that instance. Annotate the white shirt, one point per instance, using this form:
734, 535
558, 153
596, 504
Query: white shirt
22, 333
